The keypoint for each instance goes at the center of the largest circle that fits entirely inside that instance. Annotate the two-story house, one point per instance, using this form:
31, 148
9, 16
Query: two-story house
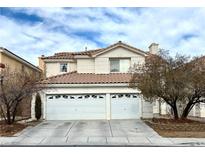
93, 84
14, 63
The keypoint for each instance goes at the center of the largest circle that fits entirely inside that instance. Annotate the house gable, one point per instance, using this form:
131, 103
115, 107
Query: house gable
102, 60
121, 48
120, 52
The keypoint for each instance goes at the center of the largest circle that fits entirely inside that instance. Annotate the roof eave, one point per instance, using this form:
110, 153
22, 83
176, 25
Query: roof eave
138, 51
59, 59
87, 85
18, 58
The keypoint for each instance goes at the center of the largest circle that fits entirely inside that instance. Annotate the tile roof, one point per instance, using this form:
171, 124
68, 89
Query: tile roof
71, 55
88, 78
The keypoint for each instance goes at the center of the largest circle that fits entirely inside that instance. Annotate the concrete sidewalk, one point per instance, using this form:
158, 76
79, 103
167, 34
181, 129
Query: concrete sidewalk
95, 133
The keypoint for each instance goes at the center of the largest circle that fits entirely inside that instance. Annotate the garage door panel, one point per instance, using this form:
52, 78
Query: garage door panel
125, 106
92, 106
75, 107
70, 107
76, 117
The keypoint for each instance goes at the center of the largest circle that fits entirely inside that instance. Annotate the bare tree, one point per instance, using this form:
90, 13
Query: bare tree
173, 80
16, 86
195, 84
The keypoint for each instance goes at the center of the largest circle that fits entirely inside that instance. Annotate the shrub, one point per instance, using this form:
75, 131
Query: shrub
38, 107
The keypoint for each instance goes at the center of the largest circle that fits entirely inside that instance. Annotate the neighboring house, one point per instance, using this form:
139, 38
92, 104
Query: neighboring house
12, 62
93, 84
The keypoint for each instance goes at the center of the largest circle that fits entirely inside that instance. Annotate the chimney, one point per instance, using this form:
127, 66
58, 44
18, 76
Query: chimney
42, 66
154, 48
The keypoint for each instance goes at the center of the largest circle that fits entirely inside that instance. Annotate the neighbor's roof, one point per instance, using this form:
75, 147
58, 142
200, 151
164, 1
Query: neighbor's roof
18, 58
88, 78
71, 55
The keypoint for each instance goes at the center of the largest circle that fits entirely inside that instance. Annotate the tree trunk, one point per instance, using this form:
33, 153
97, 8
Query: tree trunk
8, 120
3, 114
176, 117
174, 107
14, 113
175, 111
187, 110
13, 117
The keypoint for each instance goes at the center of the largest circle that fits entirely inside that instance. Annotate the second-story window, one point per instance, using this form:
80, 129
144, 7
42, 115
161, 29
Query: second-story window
119, 65
63, 67
114, 65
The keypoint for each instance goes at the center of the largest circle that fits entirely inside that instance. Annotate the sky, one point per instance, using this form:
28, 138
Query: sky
32, 32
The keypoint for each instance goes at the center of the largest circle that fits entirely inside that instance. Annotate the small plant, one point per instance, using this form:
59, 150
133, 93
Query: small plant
38, 107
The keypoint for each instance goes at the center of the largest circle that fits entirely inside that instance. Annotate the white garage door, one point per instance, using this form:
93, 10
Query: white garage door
125, 106
75, 107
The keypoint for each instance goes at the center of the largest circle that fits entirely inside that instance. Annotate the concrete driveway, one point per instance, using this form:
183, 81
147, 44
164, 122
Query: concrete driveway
73, 133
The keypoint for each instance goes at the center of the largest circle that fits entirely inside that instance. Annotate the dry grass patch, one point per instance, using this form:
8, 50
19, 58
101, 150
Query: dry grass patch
177, 128
10, 130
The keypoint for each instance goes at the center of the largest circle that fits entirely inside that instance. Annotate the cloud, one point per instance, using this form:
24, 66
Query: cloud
31, 32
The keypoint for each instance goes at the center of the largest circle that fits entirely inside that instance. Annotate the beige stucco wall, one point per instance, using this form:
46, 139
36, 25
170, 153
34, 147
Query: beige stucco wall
197, 110
86, 90
11, 63
139, 60
147, 109
85, 65
102, 63
156, 107
202, 110
53, 68
72, 67
15, 65
41, 65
